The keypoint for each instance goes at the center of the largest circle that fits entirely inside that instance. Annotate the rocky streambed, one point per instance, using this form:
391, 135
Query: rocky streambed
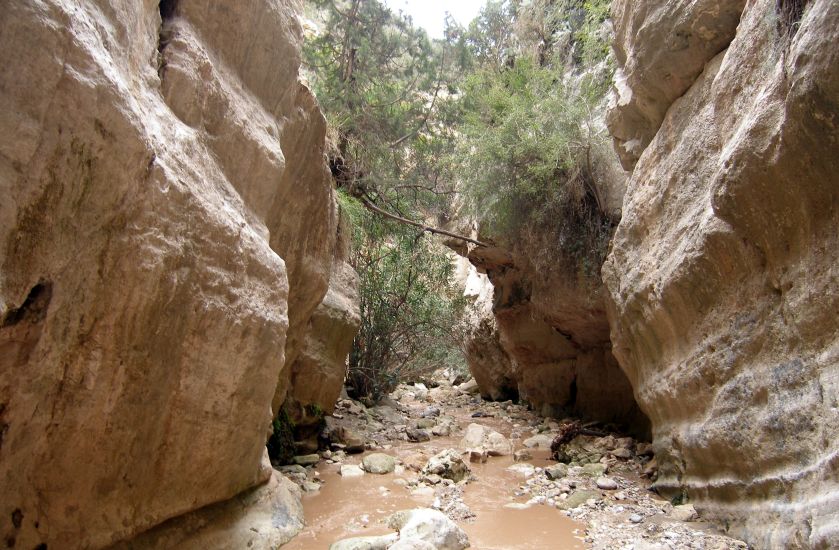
440, 468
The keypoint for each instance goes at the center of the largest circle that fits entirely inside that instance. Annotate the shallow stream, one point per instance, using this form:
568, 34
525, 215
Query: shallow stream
357, 506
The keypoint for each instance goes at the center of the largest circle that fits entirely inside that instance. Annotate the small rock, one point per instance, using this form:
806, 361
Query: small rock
378, 463
366, 543
623, 453
417, 435
557, 471
441, 430
310, 486
541, 441
469, 387
431, 412
293, 469
477, 456
594, 470
523, 469
432, 479
351, 470
577, 499
425, 423
522, 455
684, 512
306, 460
606, 483
412, 545
636, 518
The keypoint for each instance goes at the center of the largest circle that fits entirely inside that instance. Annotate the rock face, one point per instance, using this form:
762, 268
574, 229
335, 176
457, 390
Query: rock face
167, 229
661, 47
318, 372
723, 275
547, 342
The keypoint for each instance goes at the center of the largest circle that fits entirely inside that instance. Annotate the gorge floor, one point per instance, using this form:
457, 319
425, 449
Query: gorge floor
523, 500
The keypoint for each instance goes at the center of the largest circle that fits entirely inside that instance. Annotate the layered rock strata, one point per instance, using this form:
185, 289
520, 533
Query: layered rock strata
553, 331
167, 229
723, 278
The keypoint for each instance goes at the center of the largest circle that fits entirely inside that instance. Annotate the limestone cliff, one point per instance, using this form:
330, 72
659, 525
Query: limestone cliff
724, 269
548, 342
317, 374
167, 228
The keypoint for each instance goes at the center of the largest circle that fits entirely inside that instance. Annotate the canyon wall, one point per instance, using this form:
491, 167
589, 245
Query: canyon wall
539, 329
723, 278
545, 340
167, 230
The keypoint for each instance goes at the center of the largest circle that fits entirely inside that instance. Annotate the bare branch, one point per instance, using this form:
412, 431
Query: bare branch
370, 206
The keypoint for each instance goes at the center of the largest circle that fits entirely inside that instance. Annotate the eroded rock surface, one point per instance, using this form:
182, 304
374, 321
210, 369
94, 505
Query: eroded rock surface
723, 277
167, 228
660, 48
552, 348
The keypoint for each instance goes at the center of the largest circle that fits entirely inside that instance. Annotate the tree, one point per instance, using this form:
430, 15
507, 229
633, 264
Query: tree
383, 86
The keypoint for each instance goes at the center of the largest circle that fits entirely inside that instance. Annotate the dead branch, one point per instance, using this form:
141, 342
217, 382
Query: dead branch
427, 228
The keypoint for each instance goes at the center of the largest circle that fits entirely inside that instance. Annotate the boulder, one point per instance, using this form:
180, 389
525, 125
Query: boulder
431, 526
481, 437
447, 464
378, 463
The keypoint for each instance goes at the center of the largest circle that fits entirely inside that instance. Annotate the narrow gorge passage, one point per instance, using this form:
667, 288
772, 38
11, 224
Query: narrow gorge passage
514, 495
546, 275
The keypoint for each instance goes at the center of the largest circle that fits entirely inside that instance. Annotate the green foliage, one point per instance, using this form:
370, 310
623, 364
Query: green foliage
501, 112
528, 138
281, 443
409, 305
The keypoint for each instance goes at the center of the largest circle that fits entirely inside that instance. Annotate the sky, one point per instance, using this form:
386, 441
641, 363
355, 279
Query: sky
430, 14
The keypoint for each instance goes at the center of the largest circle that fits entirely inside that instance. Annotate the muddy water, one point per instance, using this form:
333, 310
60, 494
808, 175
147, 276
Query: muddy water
349, 507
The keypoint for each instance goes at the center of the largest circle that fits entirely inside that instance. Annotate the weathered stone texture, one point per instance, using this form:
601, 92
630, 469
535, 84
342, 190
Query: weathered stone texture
660, 48
724, 280
166, 214
548, 342
320, 368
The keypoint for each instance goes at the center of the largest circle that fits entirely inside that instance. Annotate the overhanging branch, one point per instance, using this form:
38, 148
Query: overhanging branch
427, 228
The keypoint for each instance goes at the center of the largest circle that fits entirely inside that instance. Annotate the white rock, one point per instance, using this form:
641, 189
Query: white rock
606, 483
425, 524
540, 441
351, 470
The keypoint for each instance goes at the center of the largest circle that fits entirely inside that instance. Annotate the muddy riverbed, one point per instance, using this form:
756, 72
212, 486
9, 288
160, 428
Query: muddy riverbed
527, 502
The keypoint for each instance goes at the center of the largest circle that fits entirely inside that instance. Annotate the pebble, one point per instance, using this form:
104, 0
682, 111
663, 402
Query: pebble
636, 518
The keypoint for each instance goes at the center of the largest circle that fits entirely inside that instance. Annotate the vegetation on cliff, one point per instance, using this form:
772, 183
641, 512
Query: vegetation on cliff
499, 117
